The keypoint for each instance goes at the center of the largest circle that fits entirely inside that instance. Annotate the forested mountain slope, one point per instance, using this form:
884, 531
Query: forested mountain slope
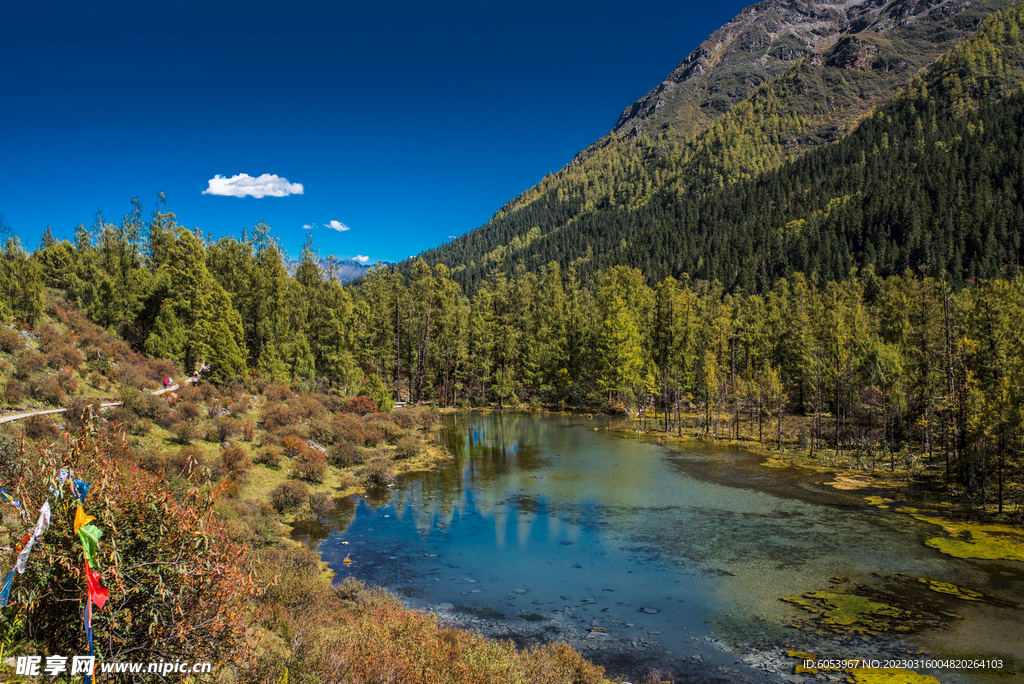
719, 205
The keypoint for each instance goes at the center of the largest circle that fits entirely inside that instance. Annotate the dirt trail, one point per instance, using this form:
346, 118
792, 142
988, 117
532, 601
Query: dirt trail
111, 404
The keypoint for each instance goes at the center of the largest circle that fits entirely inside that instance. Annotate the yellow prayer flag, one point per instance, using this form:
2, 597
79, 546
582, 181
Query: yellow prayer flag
81, 518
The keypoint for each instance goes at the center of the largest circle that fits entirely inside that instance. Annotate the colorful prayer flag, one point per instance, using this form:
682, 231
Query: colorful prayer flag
81, 518
98, 594
90, 536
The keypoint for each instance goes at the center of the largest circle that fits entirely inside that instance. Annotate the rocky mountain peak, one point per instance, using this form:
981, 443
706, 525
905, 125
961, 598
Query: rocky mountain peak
767, 38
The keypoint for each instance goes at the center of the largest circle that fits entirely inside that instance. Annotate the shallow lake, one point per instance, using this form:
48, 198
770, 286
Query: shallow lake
649, 556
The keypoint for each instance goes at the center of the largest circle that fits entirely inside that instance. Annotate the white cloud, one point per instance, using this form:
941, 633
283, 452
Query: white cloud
308, 226
337, 225
451, 237
243, 184
361, 259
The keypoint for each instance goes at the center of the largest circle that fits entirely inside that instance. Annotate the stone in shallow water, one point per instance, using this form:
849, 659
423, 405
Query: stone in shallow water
649, 611
447, 606
519, 591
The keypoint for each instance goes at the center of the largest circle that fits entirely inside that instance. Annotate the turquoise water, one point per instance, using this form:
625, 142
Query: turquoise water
649, 556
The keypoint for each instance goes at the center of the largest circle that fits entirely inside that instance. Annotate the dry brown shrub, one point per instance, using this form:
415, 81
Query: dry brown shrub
344, 455
236, 462
44, 388
408, 447
306, 407
187, 462
160, 369
11, 341
28, 363
239, 406
378, 469
78, 412
268, 456
373, 435
226, 428
321, 504
166, 417
310, 466
277, 415
191, 394
210, 391
189, 410
277, 392
15, 391
152, 461
185, 431
125, 418
49, 337
64, 355
40, 427
256, 526
67, 381
289, 495
248, 431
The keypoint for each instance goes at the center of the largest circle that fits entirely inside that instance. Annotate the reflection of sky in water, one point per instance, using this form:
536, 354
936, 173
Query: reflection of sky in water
547, 506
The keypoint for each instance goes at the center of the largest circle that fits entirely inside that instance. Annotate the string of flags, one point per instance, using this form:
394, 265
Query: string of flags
87, 533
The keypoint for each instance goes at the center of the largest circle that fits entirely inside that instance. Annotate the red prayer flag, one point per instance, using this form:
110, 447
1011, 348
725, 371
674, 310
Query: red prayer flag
97, 592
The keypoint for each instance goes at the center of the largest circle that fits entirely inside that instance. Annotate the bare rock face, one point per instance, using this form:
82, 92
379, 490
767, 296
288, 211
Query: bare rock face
767, 38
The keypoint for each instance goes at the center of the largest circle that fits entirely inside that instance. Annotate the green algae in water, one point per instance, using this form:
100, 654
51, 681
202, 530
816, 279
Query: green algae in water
854, 613
971, 540
953, 590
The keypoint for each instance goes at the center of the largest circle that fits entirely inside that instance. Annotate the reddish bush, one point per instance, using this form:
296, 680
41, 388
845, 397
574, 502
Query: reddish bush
190, 393
277, 392
277, 415
15, 391
294, 446
28, 364
64, 355
236, 462
44, 388
311, 466
11, 341
189, 410
67, 381
360, 405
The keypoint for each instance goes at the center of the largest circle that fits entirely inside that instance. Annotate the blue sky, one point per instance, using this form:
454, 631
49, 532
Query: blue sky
405, 123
